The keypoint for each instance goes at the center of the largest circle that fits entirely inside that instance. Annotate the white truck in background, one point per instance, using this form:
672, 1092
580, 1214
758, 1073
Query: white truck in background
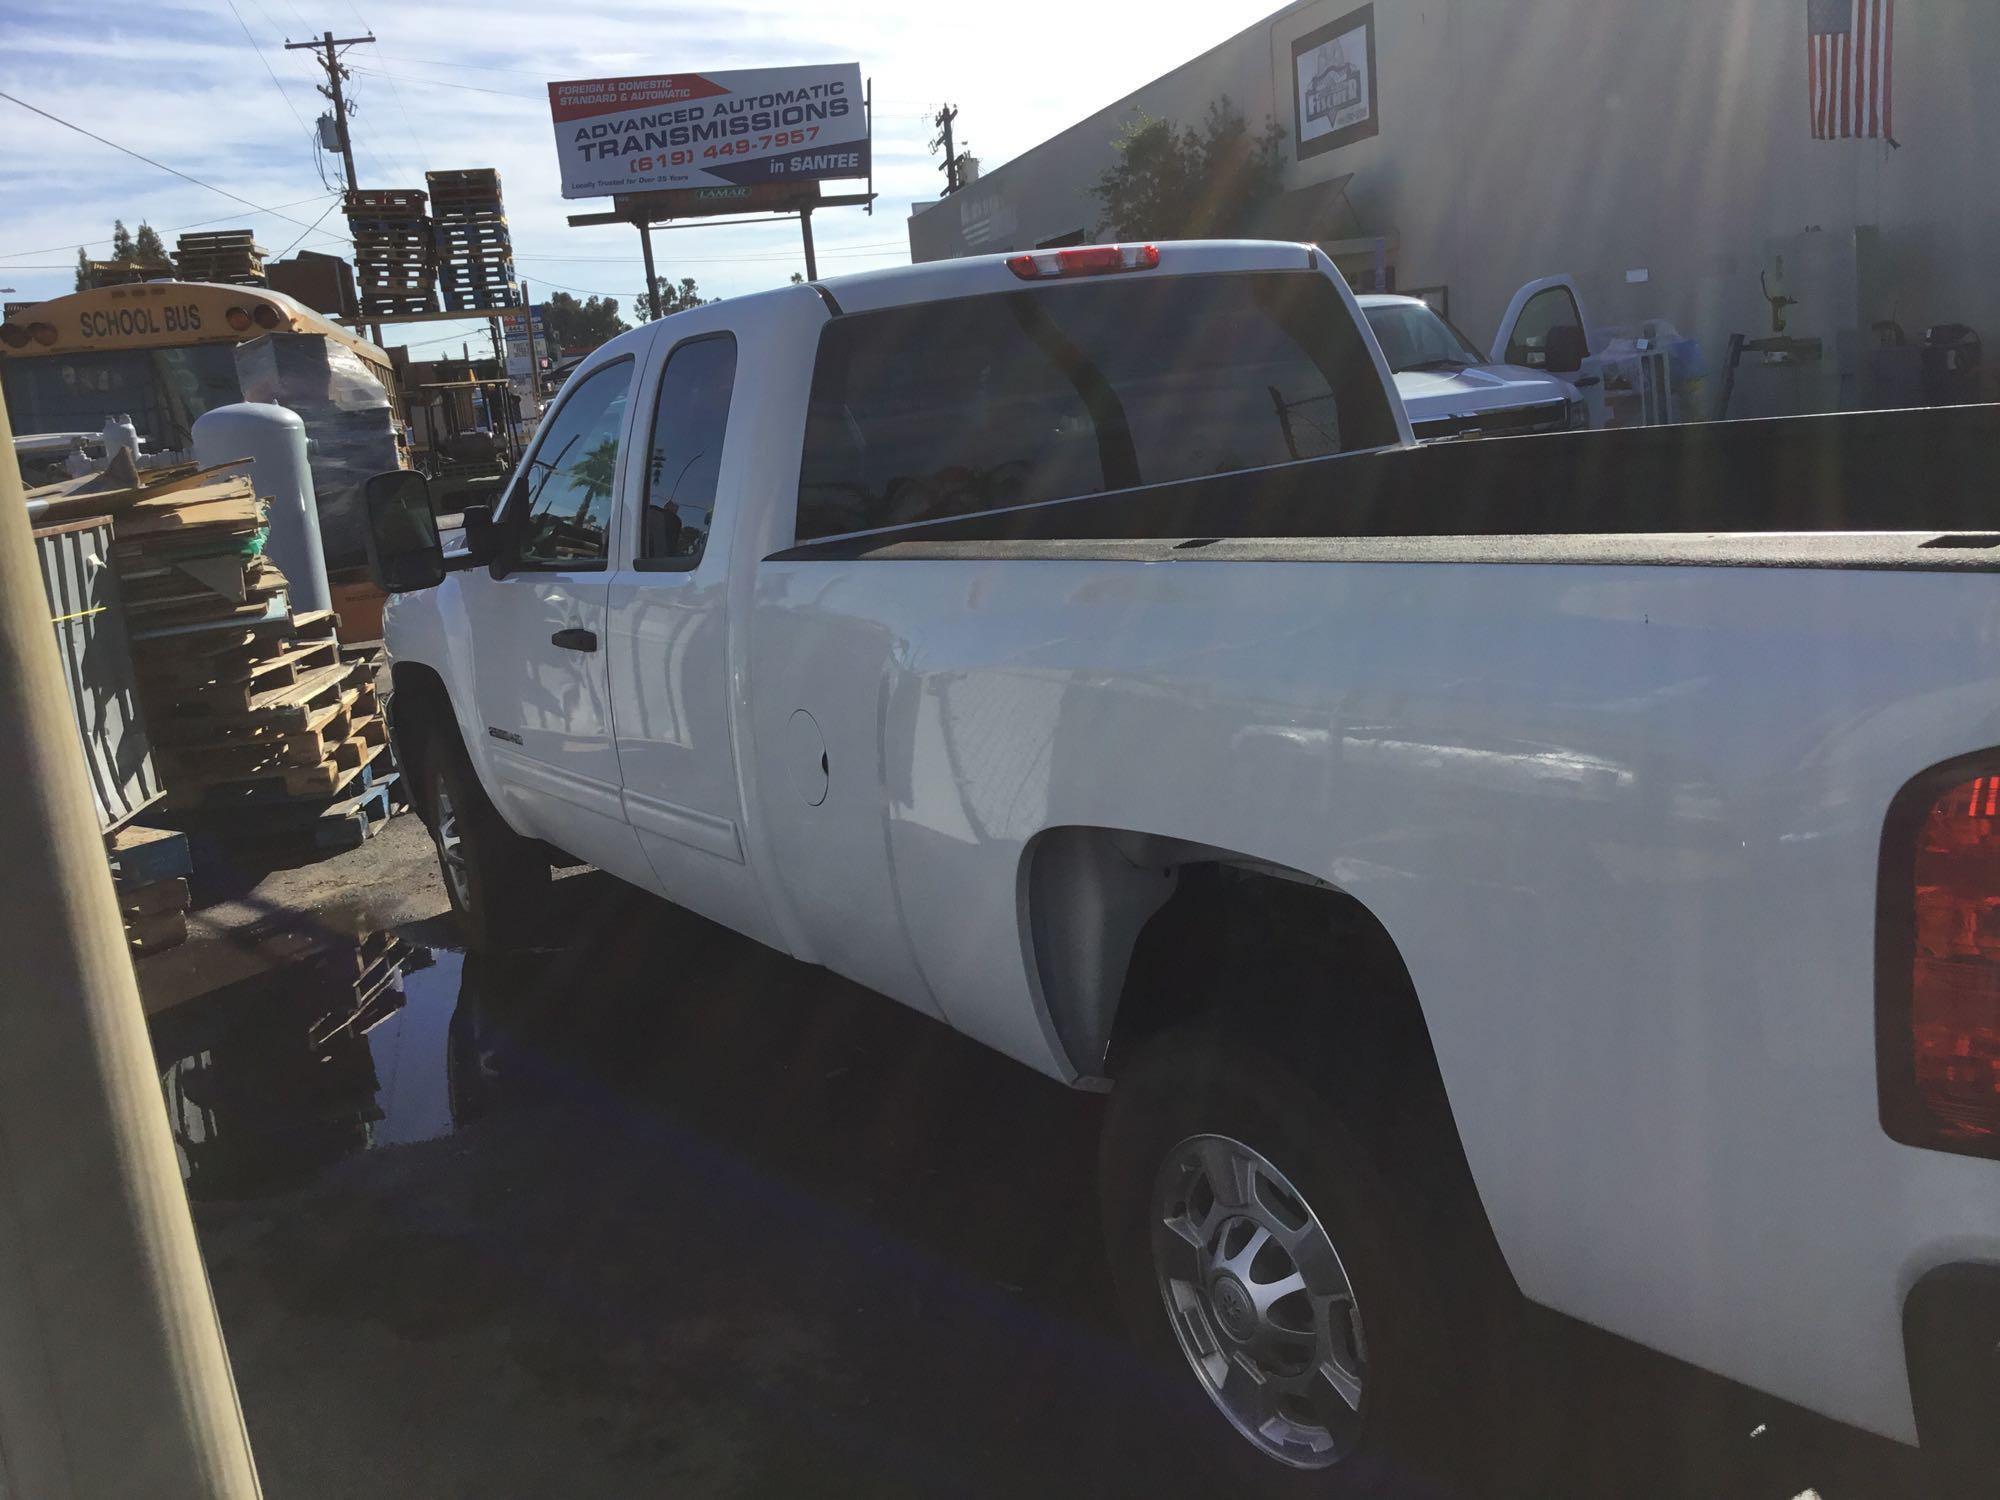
1565, 868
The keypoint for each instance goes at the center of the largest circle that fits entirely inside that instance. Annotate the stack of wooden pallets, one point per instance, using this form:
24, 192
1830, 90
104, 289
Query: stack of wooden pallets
261, 720
150, 869
230, 256
475, 257
394, 267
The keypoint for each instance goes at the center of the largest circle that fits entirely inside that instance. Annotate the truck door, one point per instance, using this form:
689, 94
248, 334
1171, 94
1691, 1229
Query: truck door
669, 643
1544, 330
536, 632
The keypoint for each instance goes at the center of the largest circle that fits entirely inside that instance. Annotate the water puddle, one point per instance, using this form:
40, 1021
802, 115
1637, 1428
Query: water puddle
359, 1044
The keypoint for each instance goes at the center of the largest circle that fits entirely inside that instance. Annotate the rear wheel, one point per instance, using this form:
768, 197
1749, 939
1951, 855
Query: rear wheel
494, 877
1257, 1247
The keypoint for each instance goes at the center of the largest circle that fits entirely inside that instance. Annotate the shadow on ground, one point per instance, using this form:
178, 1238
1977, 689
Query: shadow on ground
657, 1212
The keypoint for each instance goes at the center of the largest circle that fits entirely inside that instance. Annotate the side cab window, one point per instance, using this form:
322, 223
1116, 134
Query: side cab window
1547, 310
684, 453
563, 497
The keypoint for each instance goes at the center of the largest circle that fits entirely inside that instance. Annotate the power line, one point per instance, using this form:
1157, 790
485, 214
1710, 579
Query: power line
439, 62
720, 260
439, 83
162, 166
303, 233
267, 65
7, 255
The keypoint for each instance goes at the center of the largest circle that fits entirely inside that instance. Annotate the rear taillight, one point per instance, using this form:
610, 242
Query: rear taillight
238, 318
1938, 979
1083, 260
264, 315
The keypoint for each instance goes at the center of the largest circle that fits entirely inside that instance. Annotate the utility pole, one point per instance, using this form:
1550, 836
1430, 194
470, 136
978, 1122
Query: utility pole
113, 1376
336, 74
943, 121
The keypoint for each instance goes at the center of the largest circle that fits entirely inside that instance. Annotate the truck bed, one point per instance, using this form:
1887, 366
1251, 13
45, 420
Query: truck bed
1884, 472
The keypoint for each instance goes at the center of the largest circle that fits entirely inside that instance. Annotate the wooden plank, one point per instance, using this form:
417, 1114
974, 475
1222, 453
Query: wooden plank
145, 855
273, 784
302, 693
353, 820
151, 934
154, 896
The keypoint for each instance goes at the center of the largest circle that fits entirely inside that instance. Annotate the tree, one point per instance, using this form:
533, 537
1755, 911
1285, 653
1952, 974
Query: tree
148, 247
84, 280
581, 325
673, 298
1176, 183
121, 240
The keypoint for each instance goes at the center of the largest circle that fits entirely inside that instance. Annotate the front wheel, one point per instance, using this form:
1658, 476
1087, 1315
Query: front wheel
1256, 1248
494, 877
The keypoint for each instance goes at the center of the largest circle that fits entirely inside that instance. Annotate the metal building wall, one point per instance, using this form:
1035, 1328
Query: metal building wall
88, 617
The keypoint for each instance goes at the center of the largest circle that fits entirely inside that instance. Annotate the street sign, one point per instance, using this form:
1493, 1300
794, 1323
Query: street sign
709, 130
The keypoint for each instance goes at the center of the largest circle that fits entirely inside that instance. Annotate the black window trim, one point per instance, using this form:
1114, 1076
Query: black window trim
519, 564
677, 564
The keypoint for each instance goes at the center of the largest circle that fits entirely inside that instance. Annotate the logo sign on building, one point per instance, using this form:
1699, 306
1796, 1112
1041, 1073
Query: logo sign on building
1334, 97
697, 130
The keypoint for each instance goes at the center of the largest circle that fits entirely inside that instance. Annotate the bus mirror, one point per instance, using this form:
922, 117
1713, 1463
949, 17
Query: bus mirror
403, 548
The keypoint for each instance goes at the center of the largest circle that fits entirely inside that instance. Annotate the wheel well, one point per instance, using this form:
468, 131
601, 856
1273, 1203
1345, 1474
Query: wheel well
1135, 935
418, 702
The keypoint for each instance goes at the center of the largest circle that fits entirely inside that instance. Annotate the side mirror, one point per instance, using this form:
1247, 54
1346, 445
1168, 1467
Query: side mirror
403, 549
482, 537
1565, 350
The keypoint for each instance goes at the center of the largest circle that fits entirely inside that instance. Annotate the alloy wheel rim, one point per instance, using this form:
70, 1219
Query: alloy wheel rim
450, 843
1259, 1301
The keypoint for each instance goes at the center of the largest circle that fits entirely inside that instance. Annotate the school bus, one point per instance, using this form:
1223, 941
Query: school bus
163, 352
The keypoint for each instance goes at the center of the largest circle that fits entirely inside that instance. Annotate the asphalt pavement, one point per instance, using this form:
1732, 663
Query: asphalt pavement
650, 1210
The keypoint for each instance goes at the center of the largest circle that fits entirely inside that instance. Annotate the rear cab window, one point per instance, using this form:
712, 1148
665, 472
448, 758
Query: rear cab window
972, 404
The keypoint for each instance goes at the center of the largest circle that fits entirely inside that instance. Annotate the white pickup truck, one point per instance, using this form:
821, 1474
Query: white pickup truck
1566, 864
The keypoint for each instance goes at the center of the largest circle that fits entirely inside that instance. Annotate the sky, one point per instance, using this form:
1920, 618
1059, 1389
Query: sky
205, 87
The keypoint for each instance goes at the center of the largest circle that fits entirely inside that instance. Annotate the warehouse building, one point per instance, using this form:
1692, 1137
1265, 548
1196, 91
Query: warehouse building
1702, 170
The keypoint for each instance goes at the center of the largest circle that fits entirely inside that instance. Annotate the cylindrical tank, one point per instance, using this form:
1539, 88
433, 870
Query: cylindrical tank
120, 433
275, 440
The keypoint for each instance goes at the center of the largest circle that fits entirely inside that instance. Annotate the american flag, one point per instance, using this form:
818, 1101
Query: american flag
1850, 49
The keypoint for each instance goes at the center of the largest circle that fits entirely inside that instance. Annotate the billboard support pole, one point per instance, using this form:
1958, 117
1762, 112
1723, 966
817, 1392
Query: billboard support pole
806, 230
652, 282
868, 111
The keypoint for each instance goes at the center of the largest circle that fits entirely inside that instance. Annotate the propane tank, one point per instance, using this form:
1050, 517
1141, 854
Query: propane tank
120, 433
274, 438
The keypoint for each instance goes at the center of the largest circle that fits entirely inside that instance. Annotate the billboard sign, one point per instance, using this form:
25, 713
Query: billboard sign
696, 130
1333, 85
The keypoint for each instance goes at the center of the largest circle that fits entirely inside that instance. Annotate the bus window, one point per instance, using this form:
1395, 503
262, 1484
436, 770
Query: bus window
163, 390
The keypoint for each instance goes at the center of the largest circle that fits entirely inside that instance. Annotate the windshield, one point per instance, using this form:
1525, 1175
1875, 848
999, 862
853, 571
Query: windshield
162, 390
1415, 338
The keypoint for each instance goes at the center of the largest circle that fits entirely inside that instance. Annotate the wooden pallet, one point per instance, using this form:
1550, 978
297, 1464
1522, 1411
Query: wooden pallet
232, 685
355, 813
278, 783
352, 820
337, 738
145, 855
376, 200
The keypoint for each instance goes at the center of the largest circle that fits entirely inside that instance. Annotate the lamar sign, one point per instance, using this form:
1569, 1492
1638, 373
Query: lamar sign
695, 130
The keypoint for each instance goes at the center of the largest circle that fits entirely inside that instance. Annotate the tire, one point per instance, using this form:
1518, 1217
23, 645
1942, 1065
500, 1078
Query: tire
496, 879
1197, 1107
